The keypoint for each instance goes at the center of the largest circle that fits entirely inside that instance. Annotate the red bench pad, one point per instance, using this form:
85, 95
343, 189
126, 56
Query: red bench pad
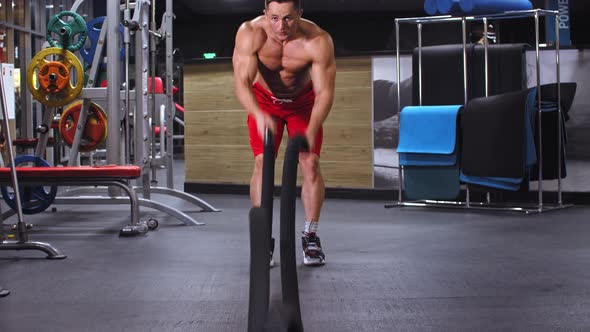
75, 172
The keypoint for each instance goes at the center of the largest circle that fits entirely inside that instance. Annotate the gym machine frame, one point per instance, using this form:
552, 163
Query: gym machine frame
488, 205
22, 242
138, 25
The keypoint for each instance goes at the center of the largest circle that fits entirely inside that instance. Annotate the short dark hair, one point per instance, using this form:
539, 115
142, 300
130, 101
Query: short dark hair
296, 3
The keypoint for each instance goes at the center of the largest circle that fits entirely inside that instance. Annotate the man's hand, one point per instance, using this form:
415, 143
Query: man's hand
263, 121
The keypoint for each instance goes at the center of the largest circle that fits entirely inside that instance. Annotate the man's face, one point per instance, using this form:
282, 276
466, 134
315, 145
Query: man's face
283, 18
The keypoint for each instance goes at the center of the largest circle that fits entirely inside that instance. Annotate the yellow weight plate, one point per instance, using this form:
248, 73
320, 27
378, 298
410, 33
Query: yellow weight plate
55, 97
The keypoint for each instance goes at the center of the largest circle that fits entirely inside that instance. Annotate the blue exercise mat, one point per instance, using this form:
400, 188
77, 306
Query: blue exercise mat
448, 7
430, 7
431, 183
512, 184
481, 7
428, 129
530, 156
427, 159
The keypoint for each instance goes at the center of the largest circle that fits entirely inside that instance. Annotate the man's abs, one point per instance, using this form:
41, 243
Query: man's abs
284, 106
284, 88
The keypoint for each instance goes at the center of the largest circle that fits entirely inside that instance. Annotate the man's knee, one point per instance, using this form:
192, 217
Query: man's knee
310, 166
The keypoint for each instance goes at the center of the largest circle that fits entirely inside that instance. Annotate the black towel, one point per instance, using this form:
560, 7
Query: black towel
568, 92
442, 72
550, 131
493, 136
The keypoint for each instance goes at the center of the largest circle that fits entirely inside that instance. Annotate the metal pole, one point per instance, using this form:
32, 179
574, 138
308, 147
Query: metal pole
47, 117
152, 80
486, 59
127, 41
539, 114
465, 92
27, 113
21, 227
170, 107
400, 196
80, 125
419, 64
559, 112
464, 31
141, 129
76, 5
113, 87
96, 60
486, 74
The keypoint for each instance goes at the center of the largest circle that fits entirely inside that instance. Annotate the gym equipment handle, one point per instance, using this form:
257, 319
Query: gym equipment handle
132, 25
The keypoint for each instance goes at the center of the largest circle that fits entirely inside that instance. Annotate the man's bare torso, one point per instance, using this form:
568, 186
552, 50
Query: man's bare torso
283, 69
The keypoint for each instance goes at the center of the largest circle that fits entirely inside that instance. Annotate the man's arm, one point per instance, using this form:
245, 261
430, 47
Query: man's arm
323, 76
245, 63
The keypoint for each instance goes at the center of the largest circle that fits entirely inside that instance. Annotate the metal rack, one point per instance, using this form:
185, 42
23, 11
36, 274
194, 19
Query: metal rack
488, 205
142, 14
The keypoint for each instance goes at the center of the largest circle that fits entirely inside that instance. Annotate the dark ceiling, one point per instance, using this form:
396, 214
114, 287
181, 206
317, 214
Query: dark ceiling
216, 7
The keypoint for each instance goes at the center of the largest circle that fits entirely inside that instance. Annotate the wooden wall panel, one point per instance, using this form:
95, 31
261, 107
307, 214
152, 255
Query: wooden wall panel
216, 134
229, 127
209, 87
218, 163
338, 165
216, 127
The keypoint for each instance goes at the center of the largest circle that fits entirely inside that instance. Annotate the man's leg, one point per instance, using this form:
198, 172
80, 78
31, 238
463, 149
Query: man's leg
257, 146
312, 189
256, 182
312, 196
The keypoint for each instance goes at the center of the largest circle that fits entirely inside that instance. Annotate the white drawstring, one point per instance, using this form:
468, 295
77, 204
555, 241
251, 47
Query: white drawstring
280, 101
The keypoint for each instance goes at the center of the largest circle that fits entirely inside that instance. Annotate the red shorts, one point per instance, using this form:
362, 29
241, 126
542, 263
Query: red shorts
295, 113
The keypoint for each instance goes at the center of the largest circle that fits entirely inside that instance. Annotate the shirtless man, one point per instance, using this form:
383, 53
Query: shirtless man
276, 58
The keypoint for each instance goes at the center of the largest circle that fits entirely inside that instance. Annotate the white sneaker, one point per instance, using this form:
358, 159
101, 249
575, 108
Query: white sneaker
313, 255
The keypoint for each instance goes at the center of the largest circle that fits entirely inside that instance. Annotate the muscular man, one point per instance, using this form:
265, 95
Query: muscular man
284, 70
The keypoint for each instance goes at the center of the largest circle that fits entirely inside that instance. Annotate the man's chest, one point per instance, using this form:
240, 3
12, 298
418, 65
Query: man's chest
290, 57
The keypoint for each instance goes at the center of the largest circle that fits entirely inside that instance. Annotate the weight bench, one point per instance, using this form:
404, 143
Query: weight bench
114, 175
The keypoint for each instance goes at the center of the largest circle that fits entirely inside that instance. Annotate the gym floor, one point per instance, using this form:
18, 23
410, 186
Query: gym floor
387, 270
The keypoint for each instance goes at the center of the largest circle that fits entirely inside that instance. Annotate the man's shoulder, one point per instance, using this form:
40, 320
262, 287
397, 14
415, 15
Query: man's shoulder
255, 25
318, 41
313, 32
251, 33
